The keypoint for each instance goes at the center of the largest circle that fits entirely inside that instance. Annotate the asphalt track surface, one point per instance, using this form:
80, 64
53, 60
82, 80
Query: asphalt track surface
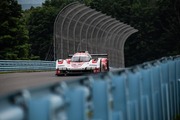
12, 82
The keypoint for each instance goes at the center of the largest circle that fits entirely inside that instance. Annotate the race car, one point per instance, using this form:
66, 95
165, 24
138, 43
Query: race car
82, 62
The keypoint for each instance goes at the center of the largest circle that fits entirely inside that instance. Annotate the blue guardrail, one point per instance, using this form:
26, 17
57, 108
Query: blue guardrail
149, 91
26, 65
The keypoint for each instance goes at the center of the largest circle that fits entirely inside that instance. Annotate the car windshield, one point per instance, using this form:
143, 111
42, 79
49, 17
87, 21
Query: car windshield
80, 59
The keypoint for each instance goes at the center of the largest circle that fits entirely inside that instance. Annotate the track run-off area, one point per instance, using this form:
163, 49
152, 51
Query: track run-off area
12, 82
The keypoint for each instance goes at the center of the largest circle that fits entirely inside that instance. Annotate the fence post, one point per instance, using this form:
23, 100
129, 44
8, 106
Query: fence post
133, 86
177, 60
39, 109
119, 96
146, 107
75, 98
100, 99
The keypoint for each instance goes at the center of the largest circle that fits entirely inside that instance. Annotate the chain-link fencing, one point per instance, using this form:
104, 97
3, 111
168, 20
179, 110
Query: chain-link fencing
79, 27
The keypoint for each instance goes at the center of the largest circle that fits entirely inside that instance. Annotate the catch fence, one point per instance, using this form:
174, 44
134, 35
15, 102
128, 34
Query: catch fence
78, 27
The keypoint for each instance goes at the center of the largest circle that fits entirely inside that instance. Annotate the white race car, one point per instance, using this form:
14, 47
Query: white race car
82, 62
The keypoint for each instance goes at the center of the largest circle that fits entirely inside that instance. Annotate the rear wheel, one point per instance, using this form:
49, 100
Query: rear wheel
101, 67
107, 65
104, 68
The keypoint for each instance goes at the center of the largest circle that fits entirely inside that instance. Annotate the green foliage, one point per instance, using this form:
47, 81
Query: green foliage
40, 26
145, 42
158, 27
40, 23
169, 13
158, 22
13, 33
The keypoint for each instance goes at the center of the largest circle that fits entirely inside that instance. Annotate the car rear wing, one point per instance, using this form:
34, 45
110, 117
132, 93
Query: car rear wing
70, 55
96, 55
99, 54
83, 51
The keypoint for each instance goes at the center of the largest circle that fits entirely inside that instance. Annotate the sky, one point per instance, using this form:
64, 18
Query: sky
31, 1
26, 4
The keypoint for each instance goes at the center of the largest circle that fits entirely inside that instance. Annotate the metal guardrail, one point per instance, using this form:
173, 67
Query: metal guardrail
150, 91
26, 65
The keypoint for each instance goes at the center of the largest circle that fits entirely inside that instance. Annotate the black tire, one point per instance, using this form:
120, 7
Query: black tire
107, 65
101, 67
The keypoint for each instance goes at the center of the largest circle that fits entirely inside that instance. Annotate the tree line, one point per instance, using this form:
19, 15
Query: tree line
28, 34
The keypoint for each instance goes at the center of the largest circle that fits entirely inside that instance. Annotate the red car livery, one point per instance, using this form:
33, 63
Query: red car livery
82, 62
